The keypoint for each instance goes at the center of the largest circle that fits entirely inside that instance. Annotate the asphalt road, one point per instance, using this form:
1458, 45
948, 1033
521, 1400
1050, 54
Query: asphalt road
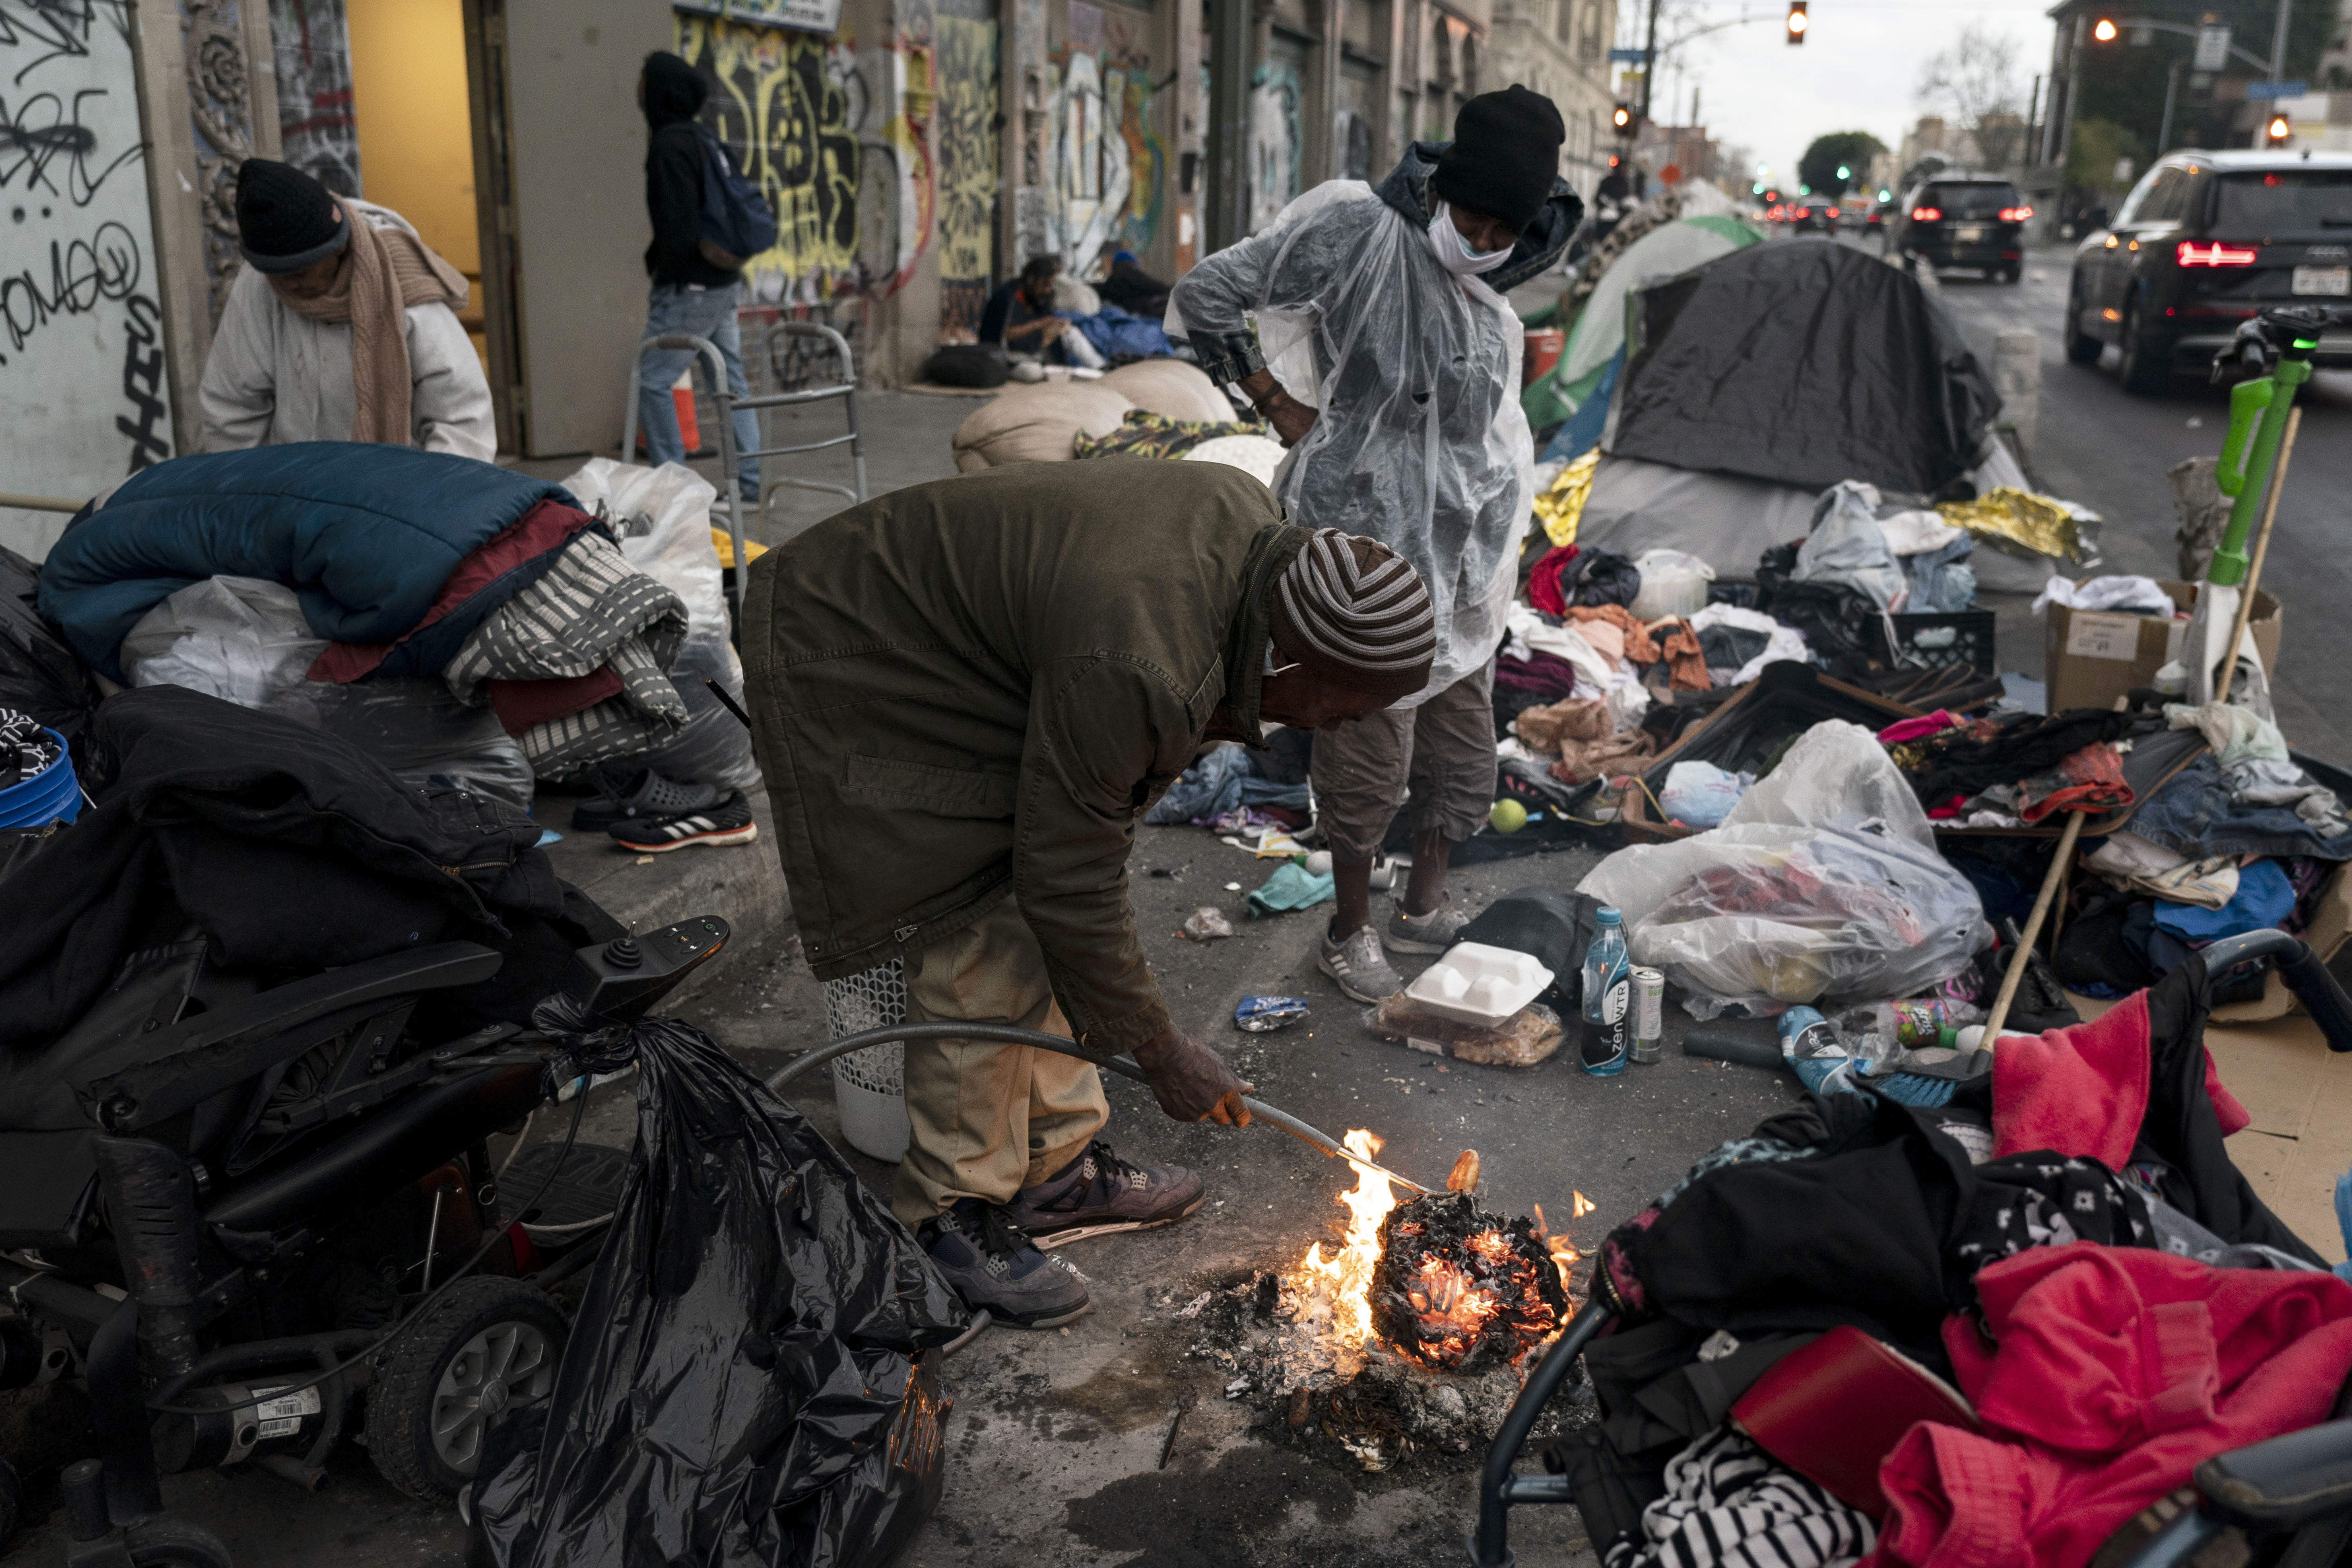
2109, 450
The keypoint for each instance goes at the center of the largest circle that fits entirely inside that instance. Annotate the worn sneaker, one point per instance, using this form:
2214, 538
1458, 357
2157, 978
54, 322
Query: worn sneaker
1359, 965
1098, 1194
993, 1264
1435, 932
729, 822
646, 794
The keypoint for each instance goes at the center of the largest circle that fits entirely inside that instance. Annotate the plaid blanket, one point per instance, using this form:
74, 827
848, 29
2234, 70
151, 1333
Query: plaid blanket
591, 611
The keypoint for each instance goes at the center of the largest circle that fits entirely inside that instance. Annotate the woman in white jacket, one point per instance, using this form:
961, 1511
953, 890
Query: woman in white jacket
341, 327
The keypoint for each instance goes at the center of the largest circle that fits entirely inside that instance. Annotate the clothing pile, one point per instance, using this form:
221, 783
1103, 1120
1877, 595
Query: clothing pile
25, 748
2064, 1294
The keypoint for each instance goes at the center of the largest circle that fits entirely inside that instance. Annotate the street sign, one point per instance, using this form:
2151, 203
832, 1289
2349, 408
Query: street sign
1635, 57
2271, 91
2213, 49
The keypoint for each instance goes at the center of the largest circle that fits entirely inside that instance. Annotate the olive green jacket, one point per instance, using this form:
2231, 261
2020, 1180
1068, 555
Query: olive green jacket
977, 686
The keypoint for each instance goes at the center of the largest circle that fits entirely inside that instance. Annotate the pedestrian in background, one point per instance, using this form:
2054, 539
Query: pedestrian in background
342, 326
692, 295
1385, 306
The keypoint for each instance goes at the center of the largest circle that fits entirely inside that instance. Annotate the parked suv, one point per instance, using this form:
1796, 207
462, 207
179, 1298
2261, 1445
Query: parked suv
2203, 242
1959, 221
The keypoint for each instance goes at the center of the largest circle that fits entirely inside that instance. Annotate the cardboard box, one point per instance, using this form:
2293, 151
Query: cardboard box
2095, 656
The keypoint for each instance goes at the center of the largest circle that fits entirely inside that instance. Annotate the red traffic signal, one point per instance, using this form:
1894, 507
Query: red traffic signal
1797, 22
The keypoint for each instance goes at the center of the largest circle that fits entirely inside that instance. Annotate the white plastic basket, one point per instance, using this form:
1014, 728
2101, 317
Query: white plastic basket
869, 1085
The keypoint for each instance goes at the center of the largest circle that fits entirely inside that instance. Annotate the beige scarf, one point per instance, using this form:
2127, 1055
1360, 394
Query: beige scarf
378, 276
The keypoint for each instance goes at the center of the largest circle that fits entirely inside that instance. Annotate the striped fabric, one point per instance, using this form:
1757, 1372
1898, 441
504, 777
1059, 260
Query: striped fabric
589, 610
1729, 1505
1372, 616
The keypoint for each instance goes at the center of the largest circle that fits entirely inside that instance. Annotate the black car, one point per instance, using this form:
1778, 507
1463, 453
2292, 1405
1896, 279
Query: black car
1956, 221
2204, 241
1817, 213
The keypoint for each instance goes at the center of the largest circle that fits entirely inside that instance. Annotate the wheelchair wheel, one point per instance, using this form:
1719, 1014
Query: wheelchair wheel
487, 1349
169, 1544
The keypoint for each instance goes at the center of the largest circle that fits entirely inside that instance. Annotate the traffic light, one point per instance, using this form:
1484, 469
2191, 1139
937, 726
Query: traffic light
2276, 133
1796, 21
1622, 118
2104, 29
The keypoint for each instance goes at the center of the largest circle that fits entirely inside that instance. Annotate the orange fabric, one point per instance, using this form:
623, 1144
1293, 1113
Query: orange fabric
1638, 646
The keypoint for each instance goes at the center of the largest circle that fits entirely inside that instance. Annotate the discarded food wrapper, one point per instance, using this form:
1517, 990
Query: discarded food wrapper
1521, 1040
1262, 1014
1207, 924
1480, 985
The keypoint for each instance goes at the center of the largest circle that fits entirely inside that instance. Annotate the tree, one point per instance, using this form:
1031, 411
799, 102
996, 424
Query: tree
1974, 85
1849, 150
2097, 154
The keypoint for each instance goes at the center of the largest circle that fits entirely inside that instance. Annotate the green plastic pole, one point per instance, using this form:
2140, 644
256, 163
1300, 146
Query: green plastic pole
2261, 404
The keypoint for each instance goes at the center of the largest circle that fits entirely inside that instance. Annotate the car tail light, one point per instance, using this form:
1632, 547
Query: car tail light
1926, 214
2190, 254
2015, 215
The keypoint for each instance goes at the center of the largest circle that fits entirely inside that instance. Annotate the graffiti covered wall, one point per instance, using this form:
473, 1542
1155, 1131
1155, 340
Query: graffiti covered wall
1272, 140
964, 127
82, 389
313, 45
1104, 190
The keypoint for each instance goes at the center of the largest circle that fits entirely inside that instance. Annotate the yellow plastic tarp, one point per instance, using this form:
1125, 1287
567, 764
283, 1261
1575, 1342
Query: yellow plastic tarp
1560, 508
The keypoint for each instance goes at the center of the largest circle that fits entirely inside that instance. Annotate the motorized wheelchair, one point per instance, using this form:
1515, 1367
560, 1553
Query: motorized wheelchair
2290, 1497
248, 1217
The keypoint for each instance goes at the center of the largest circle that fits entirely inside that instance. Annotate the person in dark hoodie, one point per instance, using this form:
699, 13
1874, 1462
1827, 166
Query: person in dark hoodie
690, 295
1413, 437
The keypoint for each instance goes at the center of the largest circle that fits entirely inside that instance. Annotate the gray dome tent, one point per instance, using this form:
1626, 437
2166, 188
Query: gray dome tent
1804, 362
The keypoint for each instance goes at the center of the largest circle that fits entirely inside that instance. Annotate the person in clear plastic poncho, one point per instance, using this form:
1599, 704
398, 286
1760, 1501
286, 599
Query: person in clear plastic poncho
1368, 326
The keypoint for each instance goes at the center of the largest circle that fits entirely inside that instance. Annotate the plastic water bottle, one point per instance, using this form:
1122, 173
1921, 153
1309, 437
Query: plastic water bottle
1814, 1052
1608, 999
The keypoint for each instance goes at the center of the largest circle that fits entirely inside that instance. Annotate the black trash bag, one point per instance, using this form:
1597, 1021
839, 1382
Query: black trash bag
1839, 620
39, 674
1552, 925
752, 1377
1601, 577
967, 365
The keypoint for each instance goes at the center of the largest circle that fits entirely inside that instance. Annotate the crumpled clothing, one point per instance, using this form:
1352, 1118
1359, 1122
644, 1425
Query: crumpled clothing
1904, 730
2254, 755
1576, 719
2260, 782
1547, 674
2164, 1363
1634, 637
1973, 759
1729, 1505
1530, 633
2091, 780
1608, 640
1917, 533
1143, 433
2236, 734
1584, 735
1942, 582
1544, 591
2116, 592
2199, 812
1603, 578
1225, 778
1292, 886
1685, 659
1846, 546
2263, 898
1780, 642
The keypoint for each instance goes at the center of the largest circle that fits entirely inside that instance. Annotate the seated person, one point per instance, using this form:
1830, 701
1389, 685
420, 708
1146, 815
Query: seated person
1131, 288
342, 326
1020, 316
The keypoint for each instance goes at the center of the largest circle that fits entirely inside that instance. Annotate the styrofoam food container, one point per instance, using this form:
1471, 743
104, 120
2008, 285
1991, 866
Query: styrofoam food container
1475, 983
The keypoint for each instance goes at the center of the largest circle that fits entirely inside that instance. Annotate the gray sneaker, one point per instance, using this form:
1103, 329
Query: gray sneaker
1359, 965
1435, 932
1098, 1194
993, 1264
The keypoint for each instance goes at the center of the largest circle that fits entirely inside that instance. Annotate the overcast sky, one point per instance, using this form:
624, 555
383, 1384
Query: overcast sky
1858, 69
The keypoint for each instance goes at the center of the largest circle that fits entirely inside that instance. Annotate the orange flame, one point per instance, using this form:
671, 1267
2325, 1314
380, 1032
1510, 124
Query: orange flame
1564, 1254
1346, 1277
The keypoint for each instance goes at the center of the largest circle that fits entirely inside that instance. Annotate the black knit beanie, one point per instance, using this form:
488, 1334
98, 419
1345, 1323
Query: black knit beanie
285, 220
1504, 156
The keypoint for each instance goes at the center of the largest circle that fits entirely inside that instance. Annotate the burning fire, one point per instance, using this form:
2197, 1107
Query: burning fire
1346, 1277
1451, 1306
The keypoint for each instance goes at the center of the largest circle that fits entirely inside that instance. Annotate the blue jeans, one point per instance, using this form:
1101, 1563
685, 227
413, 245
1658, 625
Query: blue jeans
702, 314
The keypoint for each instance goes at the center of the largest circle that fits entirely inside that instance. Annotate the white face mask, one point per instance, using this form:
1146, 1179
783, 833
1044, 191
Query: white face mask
1452, 247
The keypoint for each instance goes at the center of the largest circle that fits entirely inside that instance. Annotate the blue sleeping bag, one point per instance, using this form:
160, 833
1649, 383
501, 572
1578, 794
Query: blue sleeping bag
364, 533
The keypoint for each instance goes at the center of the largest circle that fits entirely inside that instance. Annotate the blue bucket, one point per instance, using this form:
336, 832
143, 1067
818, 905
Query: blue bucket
53, 794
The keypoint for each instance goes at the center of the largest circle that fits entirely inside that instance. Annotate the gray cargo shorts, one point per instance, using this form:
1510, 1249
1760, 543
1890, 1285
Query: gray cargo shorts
1438, 757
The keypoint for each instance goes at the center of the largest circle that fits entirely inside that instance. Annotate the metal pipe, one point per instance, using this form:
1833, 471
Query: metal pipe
1005, 1032
2172, 90
40, 503
1490, 1547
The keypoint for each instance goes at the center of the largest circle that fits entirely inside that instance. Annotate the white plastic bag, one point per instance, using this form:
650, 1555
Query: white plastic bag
1700, 794
1823, 883
242, 640
663, 516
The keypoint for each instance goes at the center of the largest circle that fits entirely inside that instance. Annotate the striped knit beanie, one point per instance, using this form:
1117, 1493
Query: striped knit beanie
1353, 609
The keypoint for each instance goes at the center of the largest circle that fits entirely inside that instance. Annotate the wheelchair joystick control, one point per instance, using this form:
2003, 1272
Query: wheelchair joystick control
622, 953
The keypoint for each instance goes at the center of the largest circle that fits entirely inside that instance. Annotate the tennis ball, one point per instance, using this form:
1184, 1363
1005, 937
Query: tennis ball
1509, 816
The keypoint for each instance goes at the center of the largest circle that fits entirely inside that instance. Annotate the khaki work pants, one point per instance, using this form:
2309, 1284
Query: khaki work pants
988, 1119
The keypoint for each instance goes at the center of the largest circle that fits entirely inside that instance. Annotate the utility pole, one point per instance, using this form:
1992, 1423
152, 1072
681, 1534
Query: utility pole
2278, 41
2171, 87
1649, 61
2074, 92
2032, 153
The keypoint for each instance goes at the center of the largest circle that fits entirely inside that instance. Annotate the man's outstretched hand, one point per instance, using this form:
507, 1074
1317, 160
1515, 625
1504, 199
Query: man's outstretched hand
1191, 1081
